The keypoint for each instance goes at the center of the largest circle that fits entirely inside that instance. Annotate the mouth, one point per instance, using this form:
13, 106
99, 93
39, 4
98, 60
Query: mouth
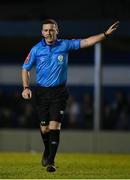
50, 37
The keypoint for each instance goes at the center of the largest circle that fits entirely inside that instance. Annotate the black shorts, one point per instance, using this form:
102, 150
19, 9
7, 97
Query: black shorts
51, 103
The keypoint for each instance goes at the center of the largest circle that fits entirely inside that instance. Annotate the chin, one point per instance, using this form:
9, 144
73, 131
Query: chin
50, 41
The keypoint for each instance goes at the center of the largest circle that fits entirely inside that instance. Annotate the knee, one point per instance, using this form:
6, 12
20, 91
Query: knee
54, 125
44, 129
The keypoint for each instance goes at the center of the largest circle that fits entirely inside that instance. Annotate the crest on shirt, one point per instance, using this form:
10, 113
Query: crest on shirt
60, 58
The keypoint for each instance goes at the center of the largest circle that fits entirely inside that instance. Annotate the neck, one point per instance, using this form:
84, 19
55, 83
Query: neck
50, 43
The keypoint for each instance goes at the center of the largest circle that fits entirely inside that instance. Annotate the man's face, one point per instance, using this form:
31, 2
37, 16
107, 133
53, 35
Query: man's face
49, 32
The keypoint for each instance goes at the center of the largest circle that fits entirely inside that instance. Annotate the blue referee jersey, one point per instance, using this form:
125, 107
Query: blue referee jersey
51, 61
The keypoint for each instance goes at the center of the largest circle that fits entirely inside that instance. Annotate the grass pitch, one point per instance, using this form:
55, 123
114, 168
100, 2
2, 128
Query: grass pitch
69, 166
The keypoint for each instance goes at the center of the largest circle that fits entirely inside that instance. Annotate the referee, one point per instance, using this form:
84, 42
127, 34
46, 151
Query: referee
50, 56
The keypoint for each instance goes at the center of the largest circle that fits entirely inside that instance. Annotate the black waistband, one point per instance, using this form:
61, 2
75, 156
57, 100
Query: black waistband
51, 87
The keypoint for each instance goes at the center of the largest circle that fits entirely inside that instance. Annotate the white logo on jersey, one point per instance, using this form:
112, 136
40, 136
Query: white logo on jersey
61, 112
60, 57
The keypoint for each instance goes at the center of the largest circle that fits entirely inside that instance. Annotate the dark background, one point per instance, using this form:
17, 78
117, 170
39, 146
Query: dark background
20, 26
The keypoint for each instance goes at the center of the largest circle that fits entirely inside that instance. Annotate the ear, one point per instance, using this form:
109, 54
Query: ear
57, 31
42, 33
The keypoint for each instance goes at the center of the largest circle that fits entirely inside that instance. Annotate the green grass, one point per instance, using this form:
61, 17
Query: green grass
69, 166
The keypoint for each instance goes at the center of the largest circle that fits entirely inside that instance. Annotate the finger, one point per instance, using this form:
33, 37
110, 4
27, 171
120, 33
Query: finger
117, 22
30, 95
115, 25
24, 95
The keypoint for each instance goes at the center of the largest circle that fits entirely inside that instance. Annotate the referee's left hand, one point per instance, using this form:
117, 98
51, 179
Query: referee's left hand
112, 28
27, 93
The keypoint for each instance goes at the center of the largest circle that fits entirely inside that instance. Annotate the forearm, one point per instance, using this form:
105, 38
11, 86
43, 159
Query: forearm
25, 78
99, 37
92, 40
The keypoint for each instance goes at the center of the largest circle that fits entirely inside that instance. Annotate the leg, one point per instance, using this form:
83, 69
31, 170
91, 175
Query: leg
42, 106
45, 137
54, 127
58, 99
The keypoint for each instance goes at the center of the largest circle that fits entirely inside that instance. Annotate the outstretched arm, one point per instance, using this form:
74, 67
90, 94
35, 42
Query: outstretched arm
99, 37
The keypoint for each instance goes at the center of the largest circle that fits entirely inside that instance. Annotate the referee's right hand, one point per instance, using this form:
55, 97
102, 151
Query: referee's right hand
27, 93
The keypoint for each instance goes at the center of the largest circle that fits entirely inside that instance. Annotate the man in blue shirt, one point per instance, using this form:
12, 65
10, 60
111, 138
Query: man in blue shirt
50, 56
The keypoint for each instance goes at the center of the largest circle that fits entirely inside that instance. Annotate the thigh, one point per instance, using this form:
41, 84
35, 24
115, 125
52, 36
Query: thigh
44, 129
58, 105
54, 125
42, 106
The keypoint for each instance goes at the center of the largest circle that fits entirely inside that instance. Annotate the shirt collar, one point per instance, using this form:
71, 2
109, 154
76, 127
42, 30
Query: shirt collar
44, 43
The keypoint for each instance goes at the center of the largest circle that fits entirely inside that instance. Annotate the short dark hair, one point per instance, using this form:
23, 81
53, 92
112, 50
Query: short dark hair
50, 21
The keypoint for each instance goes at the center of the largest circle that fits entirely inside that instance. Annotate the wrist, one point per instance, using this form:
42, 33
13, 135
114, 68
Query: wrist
105, 35
26, 87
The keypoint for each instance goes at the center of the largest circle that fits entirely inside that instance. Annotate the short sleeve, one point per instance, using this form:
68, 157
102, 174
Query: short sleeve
30, 60
73, 44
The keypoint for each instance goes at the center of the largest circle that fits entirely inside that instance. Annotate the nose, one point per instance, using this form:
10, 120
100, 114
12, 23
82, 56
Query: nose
48, 32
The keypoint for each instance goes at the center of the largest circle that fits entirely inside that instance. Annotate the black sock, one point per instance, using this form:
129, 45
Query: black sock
45, 138
53, 146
